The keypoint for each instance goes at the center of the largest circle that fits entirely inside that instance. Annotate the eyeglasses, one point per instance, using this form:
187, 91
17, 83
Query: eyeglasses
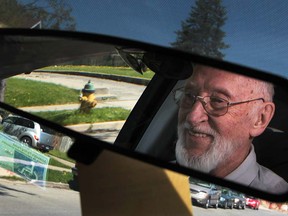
214, 106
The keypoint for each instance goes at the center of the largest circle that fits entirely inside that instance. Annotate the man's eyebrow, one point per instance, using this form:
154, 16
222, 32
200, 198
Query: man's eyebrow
212, 90
222, 91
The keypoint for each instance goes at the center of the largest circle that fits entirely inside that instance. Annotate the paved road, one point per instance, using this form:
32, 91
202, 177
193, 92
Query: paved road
19, 198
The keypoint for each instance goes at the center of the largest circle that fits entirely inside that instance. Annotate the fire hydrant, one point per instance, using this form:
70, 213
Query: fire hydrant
87, 98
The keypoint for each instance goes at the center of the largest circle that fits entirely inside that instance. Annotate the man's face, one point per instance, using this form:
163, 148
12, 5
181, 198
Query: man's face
207, 142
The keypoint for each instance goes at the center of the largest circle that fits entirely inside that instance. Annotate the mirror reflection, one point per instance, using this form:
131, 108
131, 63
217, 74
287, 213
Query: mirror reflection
31, 151
220, 115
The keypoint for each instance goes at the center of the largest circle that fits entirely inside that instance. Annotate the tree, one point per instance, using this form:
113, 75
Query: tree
201, 32
53, 14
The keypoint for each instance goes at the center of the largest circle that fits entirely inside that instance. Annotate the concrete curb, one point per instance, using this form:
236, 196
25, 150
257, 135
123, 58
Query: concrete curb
138, 81
47, 184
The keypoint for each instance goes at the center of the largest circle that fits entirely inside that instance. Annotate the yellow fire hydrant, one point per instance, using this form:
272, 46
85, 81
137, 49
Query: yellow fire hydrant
87, 97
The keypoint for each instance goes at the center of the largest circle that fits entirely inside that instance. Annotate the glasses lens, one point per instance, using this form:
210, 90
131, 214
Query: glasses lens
216, 106
184, 99
213, 105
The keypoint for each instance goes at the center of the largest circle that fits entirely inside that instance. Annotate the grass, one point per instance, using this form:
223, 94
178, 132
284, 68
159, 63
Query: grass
52, 176
62, 155
23, 93
71, 117
13, 178
59, 176
54, 162
121, 71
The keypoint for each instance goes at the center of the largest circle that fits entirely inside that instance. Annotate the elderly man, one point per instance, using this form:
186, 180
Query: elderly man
220, 113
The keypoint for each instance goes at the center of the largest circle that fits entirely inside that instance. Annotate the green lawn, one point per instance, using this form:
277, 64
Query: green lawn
23, 93
59, 176
71, 117
61, 155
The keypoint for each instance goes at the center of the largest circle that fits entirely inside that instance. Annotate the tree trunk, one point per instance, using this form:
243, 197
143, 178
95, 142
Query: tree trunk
2, 89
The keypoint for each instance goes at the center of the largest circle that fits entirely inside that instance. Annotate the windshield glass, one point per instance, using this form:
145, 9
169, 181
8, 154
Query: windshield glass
257, 39
90, 92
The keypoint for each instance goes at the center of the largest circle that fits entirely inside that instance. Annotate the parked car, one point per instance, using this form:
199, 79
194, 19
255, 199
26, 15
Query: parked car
226, 199
231, 199
239, 200
252, 202
29, 132
204, 193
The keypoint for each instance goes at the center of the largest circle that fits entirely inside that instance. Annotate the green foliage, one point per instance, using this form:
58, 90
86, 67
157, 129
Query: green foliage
70, 117
56, 163
23, 93
12, 178
59, 154
59, 176
201, 32
53, 14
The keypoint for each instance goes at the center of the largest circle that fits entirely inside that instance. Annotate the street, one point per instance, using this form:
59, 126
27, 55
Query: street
21, 198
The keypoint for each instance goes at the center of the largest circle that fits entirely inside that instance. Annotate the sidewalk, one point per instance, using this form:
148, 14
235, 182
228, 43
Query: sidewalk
127, 104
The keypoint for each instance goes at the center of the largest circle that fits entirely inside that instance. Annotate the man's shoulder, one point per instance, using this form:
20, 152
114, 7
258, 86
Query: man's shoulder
269, 181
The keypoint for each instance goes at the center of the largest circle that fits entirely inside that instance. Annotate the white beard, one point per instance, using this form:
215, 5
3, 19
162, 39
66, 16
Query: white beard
218, 152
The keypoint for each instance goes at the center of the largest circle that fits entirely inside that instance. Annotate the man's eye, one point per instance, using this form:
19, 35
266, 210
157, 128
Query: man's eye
188, 98
218, 102
189, 95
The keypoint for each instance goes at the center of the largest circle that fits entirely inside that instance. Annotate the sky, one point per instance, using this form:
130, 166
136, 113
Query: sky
256, 30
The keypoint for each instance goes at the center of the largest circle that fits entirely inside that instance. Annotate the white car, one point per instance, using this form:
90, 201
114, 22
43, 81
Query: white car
28, 132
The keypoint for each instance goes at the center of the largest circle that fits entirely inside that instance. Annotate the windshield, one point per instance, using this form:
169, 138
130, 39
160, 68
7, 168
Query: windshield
90, 94
257, 39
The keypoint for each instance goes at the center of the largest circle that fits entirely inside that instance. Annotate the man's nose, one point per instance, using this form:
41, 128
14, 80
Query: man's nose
197, 113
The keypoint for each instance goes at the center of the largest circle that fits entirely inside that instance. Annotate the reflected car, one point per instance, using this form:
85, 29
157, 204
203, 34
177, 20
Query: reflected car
204, 193
26, 130
239, 200
252, 202
29, 132
231, 199
226, 199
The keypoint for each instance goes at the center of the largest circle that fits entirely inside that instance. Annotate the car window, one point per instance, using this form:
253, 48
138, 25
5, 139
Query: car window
9, 120
24, 122
199, 182
90, 95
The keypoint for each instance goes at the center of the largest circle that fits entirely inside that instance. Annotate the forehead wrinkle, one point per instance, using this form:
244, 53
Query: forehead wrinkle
209, 87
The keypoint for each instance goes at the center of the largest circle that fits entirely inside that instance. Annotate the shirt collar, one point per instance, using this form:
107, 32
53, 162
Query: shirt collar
247, 171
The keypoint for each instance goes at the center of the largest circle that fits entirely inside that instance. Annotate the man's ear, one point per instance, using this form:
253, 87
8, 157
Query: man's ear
264, 116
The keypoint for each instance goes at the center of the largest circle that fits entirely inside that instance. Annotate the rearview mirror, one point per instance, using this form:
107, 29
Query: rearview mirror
76, 86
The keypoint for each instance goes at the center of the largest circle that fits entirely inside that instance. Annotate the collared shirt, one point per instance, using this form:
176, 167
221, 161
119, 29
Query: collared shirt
259, 177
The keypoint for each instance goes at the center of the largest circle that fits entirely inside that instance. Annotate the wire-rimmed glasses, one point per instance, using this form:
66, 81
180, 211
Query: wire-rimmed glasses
213, 105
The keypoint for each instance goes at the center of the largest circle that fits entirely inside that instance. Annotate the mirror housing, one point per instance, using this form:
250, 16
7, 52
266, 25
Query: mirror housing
34, 56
